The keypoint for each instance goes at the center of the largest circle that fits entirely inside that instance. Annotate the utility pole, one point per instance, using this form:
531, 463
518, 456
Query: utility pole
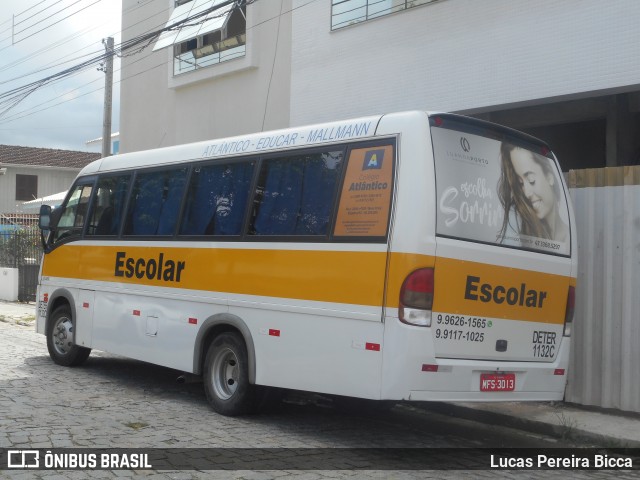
108, 97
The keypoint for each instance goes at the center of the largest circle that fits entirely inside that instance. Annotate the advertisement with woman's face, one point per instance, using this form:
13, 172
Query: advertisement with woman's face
497, 192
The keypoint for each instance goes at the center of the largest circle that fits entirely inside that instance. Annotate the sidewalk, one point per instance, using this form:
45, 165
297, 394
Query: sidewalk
20, 313
567, 422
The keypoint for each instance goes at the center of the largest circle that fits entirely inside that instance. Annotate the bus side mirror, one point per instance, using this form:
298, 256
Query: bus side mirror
44, 222
45, 217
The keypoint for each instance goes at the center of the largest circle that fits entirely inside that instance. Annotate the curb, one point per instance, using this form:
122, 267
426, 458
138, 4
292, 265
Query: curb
26, 321
561, 432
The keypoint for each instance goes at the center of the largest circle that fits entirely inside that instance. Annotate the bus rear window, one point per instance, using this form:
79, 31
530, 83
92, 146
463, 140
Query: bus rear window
492, 188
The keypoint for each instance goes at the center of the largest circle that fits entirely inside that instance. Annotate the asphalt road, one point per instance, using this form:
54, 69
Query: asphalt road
114, 402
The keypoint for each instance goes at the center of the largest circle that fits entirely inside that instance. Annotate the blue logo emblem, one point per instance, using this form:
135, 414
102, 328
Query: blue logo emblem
373, 159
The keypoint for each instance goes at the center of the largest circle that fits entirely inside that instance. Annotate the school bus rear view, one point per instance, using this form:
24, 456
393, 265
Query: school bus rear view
407, 256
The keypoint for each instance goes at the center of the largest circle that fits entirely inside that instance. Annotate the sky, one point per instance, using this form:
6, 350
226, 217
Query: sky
39, 38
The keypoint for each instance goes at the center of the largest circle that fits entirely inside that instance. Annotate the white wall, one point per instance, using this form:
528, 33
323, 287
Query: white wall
606, 334
50, 180
244, 95
461, 55
9, 284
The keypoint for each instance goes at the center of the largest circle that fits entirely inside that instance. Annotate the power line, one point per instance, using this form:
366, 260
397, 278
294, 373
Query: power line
273, 67
144, 39
55, 22
37, 13
32, 7
9, 28
76, 35
46, 67
18, 116
68, 39
11, 98
58, 43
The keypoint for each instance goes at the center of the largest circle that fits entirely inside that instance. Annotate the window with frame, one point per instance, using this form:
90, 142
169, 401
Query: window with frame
349, 12
217, 199
108, 205
74, 212
26, 187
206, 34
155, 202
295, 194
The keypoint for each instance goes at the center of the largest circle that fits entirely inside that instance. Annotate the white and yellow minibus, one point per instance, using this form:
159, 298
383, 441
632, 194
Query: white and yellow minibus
406, 256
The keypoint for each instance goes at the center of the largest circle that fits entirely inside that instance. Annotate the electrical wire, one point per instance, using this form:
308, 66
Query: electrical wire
54, 23
273, 67
11, 98
32, 7
14, 24
141, 42
18, 116
69, 38
76, 35
38, 13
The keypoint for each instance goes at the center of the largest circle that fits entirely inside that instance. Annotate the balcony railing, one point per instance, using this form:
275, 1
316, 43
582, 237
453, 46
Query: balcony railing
211, 54
349, 12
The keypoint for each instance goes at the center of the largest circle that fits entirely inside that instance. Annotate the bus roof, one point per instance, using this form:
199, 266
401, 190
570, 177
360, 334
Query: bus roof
304, 136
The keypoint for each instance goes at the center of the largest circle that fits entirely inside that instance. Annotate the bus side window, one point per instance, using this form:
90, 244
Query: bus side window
73, 213
155, 202
107, 207
321, 176
217, 199
295, 194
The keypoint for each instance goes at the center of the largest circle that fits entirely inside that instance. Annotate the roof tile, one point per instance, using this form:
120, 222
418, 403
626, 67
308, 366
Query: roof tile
45, 157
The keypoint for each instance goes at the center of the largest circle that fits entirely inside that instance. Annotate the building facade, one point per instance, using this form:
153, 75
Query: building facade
231, 78
567, 72
28, 173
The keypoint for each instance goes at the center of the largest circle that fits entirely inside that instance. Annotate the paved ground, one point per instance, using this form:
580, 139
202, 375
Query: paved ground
593, 426
113, 402
20, 313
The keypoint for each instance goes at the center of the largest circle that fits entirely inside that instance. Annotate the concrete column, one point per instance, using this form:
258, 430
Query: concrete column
612, 132
620, 139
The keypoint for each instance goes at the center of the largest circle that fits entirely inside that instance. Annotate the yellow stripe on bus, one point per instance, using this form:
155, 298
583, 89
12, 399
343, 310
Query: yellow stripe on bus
355, 278
327, 276
479, 289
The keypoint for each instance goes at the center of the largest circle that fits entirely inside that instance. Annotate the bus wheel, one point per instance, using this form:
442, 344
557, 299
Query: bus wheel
226, 376
61, 339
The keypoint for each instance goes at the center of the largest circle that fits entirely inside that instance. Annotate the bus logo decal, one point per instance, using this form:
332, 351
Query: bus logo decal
373, 159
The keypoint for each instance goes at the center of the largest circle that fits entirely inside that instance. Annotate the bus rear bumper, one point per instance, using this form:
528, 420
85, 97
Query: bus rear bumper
433, 396
461, 380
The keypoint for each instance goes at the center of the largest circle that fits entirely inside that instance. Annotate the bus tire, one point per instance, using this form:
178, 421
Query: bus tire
60, 339
226, 376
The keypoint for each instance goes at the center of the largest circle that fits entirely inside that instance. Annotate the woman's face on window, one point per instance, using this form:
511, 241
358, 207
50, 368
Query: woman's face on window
536, 185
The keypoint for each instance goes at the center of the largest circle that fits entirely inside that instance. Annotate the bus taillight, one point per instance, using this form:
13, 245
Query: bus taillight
416, 298
568, 316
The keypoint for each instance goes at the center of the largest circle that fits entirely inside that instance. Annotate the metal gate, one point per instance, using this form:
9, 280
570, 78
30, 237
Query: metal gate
20, 248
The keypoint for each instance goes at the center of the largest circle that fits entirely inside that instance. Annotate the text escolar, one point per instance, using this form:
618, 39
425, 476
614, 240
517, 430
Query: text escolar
151, 268
500, 294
